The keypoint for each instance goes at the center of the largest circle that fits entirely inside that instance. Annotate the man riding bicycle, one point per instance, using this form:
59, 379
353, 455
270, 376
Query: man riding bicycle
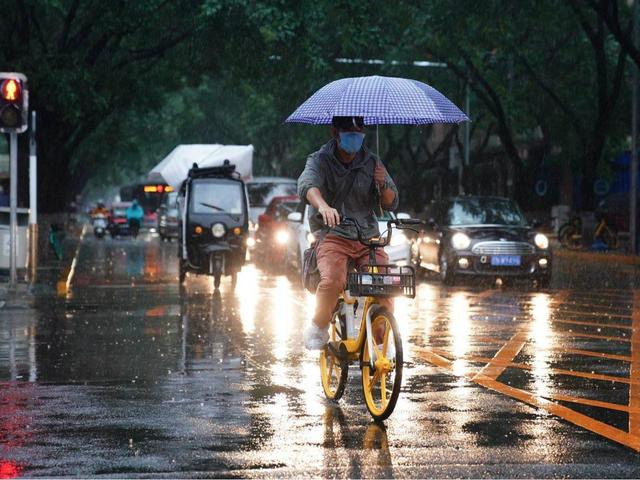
345, 168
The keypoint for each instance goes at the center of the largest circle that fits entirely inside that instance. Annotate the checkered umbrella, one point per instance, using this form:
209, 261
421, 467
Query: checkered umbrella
380, 100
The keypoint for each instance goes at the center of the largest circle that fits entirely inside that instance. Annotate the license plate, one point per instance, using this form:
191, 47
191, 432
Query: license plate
505, 261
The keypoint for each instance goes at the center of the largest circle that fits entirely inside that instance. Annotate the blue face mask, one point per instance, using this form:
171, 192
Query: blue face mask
351, 142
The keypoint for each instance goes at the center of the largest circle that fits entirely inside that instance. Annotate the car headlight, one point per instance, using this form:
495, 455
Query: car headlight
460, 241
282, 236
541, 241
398, 238
311, 238
251, 242
218, 230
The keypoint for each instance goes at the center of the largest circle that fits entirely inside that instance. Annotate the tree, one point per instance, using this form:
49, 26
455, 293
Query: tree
88, 61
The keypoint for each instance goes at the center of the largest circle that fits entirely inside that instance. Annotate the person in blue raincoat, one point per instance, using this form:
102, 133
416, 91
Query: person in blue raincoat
135, 214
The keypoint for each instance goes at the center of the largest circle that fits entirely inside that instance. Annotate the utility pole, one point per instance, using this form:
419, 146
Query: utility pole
633, 184
13, 206
33, 201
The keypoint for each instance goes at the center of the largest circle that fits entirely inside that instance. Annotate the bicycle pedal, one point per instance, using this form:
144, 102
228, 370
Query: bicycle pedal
334, 348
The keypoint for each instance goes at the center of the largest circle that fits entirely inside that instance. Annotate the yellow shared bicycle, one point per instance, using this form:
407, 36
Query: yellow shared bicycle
365, 333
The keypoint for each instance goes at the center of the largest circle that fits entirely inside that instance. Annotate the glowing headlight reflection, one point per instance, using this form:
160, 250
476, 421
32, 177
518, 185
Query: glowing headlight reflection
282, 236
541, 241
459, 327
398, 238
542, 337
311, 238
460, 241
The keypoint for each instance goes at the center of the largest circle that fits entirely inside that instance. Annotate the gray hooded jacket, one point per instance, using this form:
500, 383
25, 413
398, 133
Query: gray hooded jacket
324, 171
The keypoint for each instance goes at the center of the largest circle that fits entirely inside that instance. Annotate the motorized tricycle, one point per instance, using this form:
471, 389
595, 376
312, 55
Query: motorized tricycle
214, 223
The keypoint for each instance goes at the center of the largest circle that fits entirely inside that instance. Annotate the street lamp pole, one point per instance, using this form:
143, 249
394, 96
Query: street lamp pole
633, 184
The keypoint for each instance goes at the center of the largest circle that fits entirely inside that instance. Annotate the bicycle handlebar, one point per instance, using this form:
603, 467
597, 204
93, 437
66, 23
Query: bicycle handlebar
399, 223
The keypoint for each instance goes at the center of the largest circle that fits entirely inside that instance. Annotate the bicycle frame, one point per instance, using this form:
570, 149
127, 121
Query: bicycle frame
599, 228
353, 344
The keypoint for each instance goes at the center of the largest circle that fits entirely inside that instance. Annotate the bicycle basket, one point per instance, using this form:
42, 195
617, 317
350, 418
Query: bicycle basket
382, 281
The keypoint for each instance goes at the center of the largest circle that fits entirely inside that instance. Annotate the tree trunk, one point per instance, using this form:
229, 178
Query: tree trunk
566, 186
54, 183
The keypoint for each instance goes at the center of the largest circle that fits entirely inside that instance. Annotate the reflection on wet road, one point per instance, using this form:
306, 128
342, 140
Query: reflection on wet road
126, 375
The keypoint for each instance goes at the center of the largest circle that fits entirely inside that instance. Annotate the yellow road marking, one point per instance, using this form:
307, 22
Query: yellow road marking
600, 428
557, 371
590, 353
595, 403
574, 351
594, 313
606, 313
634, 372
505, 355
524, 366
593, 324
63, 286
609, 338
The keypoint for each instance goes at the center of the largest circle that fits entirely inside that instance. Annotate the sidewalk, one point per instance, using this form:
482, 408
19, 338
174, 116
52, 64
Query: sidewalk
51, 276
617, 256
593, 256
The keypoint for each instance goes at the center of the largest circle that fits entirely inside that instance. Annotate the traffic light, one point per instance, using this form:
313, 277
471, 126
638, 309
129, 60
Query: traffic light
14, 103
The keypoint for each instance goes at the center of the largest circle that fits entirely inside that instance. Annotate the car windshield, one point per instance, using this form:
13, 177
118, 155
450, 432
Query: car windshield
484, 211
260, 194
285, 208
217, 197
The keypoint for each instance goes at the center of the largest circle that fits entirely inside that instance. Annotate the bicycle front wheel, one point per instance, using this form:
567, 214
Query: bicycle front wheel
381, 382
570, 237
334, 372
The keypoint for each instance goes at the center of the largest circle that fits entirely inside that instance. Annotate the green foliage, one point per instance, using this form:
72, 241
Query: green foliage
118, 84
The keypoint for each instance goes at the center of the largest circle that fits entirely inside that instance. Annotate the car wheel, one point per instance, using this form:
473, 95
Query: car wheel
446, 275
182, 272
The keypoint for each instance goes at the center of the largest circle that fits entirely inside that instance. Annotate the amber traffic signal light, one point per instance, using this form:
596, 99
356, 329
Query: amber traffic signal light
14, 103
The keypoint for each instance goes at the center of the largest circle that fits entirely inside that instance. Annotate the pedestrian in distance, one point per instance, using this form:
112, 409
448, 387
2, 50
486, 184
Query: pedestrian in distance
341, 179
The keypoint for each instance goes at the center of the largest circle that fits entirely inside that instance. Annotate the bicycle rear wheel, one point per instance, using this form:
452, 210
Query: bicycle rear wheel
610, 237
334, 372
570, 237
381, 383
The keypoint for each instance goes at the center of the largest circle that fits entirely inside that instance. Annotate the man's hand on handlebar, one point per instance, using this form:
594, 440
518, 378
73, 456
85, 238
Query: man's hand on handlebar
330, 216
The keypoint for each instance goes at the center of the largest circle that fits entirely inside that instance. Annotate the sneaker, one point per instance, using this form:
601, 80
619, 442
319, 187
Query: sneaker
315, 338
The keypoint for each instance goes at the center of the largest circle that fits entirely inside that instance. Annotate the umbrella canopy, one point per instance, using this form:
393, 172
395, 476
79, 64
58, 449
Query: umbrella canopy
380, 100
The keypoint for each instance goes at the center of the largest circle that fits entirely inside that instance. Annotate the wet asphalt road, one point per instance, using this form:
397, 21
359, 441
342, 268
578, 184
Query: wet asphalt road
125, 376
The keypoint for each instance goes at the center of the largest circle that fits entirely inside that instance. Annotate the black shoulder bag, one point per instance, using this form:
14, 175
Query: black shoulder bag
310, 272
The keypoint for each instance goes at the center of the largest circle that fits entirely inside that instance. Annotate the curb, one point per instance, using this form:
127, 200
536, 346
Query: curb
603, 257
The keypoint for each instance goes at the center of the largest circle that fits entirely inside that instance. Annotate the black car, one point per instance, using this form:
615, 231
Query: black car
481, 236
